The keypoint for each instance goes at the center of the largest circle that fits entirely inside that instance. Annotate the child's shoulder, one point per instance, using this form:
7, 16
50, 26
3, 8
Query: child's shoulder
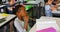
48, 6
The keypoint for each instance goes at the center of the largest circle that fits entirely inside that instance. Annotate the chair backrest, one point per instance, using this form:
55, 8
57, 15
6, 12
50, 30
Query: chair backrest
0, 1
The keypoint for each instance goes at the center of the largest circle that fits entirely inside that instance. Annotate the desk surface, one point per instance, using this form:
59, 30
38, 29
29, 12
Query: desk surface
2, 6
57, 12
33, 29
10, 17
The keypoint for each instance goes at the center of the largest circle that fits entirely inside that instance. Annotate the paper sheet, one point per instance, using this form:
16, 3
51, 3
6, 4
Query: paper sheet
3, 15
43, 24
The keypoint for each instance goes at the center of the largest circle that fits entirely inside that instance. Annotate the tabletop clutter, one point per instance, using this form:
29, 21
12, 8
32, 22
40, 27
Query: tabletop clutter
46, 24
2, 17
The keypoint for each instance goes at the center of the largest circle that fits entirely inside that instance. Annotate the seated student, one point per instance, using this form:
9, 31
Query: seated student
10, 6
48, 8
21, 22
55, 5
8, 10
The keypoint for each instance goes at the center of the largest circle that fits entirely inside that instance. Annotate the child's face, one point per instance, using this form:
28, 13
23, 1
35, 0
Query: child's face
50, 1
11, 2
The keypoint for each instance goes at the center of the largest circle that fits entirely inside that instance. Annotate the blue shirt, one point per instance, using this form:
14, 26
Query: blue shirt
48, 11
9, 12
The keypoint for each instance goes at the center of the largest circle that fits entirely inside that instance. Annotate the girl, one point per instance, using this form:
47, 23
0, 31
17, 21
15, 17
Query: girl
21, 22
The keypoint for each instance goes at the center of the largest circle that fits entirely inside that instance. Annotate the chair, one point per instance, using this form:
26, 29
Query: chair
27, 7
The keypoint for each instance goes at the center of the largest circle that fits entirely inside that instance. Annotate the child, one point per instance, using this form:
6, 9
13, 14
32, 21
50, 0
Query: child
55, 5
48, 8
21, 22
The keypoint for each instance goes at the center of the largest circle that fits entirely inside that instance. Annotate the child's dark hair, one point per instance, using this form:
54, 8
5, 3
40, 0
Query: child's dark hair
54, 2
45, 1
9, 0
16, 9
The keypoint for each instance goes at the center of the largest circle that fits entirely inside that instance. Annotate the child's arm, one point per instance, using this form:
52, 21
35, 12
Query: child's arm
25, 17
53, 8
